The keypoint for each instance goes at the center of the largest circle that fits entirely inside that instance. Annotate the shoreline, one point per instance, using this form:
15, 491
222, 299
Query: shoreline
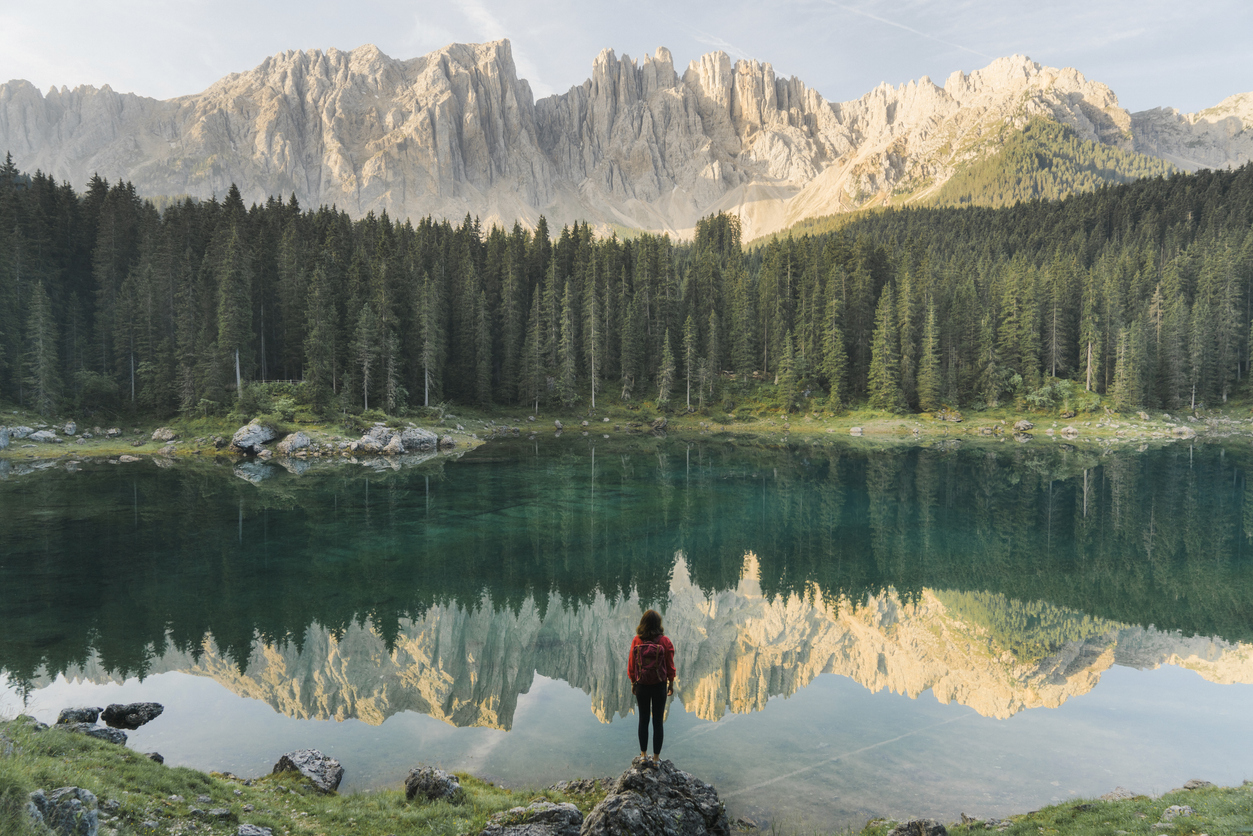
138, 795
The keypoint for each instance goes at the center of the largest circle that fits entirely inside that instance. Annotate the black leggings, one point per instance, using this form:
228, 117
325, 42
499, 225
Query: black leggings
651, 700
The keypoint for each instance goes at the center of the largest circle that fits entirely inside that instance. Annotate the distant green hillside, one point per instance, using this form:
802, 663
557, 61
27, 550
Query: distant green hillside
1047, 161
1044, 161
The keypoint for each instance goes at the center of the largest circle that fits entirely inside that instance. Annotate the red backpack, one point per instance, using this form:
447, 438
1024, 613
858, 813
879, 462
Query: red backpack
650, 663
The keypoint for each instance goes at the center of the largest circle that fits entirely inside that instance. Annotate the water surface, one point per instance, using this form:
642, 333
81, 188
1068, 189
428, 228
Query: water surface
860, 630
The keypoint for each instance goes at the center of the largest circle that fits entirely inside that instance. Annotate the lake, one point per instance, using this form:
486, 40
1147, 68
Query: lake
861, 629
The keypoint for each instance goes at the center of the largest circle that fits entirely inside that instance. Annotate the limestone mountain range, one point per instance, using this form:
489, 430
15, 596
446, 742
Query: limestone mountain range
638, 145
734, 650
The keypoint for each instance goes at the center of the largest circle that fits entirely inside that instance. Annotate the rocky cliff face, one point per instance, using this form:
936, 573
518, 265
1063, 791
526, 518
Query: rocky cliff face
734, 651
638, 144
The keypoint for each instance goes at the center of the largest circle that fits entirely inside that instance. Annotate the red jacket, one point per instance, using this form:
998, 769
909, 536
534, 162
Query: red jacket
664, 641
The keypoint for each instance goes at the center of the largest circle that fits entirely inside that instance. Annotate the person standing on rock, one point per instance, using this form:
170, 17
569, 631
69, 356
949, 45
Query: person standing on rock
650, 666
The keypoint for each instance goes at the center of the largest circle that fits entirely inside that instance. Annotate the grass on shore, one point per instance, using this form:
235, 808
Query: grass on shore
139, 797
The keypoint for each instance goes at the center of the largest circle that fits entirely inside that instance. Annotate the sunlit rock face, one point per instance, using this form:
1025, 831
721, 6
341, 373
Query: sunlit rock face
638, 144
734, 650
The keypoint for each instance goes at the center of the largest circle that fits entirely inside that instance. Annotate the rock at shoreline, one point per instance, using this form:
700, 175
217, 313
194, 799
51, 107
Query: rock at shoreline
919, 827
68, 811
542, 818
44, 437
323, 771
253, 830
394, 447
1118, 794
293, 443
417, 440
447, 442
164, 434
1197, 784
658, 799
1023, 426
248, 439
155, 757
108, 735
855, 430
78, 715
432, 784
18, 433
132, 715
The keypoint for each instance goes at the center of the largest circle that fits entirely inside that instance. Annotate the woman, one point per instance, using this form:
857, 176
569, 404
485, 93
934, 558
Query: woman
650, 666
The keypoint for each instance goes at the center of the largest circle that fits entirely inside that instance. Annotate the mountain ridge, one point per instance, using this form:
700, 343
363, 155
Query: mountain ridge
638, 144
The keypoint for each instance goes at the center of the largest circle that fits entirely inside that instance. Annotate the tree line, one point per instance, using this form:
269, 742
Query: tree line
1142, 292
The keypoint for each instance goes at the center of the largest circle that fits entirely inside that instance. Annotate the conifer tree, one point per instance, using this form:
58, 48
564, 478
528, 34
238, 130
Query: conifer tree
567, 376
365, 350
532, 374
929, 364
665, 374
834, 357
689, 357
712, 361
430, 315
483, 353
42, 368
884, 375
787, 375
234, 279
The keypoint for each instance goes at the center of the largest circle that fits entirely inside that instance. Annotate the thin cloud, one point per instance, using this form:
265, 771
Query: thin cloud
718, 43
920, 34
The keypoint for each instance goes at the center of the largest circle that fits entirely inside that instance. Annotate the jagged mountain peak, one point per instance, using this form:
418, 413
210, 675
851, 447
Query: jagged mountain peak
637, 144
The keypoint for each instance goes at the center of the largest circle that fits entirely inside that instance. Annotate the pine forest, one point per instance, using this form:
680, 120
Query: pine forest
1141, 294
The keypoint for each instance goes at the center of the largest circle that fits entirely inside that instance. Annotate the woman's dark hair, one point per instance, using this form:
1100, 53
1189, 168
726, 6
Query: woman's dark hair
650, 626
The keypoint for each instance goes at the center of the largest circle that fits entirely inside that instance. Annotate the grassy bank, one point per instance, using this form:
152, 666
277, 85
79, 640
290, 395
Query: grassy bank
139, 797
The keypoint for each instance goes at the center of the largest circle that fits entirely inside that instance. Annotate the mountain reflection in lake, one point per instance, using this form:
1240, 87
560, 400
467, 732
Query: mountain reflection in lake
498, 591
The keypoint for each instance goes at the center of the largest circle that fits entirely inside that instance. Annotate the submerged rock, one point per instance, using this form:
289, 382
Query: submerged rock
131, 715
658, 799
542, 818
325, 772
432, 784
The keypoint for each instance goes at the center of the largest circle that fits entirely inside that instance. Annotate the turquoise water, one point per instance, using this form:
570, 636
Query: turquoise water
860, 631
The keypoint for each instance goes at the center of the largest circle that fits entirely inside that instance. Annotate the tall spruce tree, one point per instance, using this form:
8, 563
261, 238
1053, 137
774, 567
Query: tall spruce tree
884, 377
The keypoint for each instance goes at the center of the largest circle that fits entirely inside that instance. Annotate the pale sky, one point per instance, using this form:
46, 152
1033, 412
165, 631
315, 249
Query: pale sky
1188, 55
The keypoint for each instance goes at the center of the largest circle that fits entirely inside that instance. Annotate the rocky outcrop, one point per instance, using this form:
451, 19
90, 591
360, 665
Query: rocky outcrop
658, 799
131, 715
249, 439
323, 772
541, 818
293, 443
433, 785
68, 811
639, 144
78, 715
1218, 137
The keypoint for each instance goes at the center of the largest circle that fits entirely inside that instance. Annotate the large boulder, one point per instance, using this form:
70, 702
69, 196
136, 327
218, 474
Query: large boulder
395, 447
325, 772
1023, 426
658, 799
248, 439
70, 428
78, 715
447, 442
19, 433
164, 434
131, 715
418, 440
293, 443
542, 818
1183, 432
433, 785
44, 436
68, 811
